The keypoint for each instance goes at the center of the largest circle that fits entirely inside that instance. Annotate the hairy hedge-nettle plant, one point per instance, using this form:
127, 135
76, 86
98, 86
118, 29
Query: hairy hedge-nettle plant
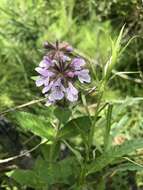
58, 72
82, 163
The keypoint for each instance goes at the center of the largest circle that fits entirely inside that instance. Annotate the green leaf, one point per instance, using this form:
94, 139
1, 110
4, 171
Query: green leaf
43, 174
116, 48
80, 125
36, 124
129, 167
108, 127
114, 153
58, 172
62, 114
34, 78
24, 177
46, 148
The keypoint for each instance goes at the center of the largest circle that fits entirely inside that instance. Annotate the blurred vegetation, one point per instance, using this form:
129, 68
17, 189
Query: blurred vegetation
89, 26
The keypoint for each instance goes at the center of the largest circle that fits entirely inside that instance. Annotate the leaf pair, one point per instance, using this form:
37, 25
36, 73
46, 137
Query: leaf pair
43, 128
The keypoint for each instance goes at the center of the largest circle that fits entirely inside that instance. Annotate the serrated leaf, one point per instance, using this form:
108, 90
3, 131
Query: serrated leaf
35, 124
59, 172
75, 127
62, 114
114, 153
24, 177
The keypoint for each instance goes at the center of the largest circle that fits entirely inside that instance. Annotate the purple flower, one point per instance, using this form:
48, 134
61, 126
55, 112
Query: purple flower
58, 71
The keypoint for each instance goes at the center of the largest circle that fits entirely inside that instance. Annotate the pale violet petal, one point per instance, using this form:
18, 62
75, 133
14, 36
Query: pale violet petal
77, 63
47, 88
44, 72
57, 93
46, 62
72, 97
72, 89
83, 76
72, 93
57, 82
46, 81
39, 82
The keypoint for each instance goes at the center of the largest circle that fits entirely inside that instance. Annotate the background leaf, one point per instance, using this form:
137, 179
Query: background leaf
37, 125
113, 154
80, 125
62, 114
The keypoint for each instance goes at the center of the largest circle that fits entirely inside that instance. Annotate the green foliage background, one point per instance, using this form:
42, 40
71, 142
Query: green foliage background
88, 25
